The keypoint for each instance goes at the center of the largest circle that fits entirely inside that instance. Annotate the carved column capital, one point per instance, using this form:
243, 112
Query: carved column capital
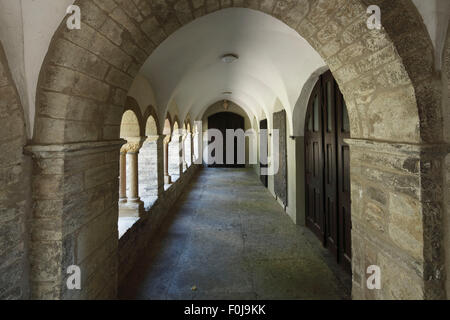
133, 145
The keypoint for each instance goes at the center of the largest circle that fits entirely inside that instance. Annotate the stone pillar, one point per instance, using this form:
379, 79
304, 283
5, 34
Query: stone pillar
134, 206
397, 199
161, 162
179, 138
191, 136
197, 147
183, 153
123, 178
134, 185
167, 178
74, 221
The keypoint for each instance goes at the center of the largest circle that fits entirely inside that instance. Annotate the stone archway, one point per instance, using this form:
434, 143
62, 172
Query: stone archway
15, 173
385, 78
175, 166
148, 160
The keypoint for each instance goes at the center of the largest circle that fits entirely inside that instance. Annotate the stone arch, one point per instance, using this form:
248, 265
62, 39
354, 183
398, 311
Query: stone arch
154, 128
176, 124
148, 160
175, 163
385, 75
130, 126
168, 125
15, 172
132, 105
334, 29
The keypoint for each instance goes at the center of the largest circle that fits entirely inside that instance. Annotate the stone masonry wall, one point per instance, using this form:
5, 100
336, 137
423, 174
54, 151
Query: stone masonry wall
390, 219
15, 170
75, 219
446, 173
133, 243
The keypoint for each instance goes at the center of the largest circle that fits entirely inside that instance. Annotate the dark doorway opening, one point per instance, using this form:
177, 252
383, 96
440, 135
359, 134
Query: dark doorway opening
327, 168
263, 153
223, 121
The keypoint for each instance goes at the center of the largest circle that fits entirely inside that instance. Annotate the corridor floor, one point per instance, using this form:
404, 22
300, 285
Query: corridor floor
227, 238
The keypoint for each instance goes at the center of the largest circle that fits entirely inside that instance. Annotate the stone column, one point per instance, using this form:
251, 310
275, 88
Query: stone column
167, 178
396, 212
134, 206
179, 138
160, 149
183, 153
191, 136
123, 178
134, 182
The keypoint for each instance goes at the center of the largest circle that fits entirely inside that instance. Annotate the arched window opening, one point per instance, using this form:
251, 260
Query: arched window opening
175, 153
148, 165
188, 146
130, 205
167, 137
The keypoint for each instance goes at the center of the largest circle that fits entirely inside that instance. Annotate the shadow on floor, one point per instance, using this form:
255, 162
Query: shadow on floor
227, 238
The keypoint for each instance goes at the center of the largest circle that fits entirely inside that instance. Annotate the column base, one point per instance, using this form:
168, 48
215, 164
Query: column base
123, 200
134, 209
167, 179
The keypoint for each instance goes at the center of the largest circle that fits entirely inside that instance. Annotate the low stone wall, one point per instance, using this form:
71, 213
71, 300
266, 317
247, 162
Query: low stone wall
134, 242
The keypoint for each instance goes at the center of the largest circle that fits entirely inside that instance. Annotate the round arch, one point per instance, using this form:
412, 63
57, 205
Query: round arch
340, 23
384, 75
129, 126
149, 114
168, 125
176, 124
132, 105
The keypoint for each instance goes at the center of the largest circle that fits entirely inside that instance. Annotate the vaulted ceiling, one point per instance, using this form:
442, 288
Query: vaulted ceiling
274, 62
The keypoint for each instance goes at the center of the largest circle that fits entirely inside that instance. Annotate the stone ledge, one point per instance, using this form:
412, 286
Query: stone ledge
399, 147
70, 147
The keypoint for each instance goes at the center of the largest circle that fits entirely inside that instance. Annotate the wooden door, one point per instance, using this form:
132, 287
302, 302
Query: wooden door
327, 167
263, 152
223, 121
314, 164
330, 168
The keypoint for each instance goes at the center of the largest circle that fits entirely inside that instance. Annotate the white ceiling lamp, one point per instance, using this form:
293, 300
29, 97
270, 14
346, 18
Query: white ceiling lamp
230, 57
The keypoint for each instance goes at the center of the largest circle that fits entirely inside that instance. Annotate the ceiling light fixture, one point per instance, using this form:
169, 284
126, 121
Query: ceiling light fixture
230, 57
228, 93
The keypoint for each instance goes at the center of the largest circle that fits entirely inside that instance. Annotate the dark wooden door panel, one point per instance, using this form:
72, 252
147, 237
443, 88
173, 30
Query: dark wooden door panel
330, 174
327, 169
343, 162
223, 121
314, 164
263, 152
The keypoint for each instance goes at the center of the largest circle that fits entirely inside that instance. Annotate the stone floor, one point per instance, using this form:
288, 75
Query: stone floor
227, 238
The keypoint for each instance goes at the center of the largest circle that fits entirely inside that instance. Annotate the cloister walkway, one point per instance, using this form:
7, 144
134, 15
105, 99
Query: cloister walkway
227, 238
